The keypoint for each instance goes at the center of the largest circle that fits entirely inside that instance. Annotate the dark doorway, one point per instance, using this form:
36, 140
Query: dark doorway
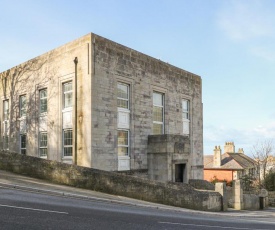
179, 172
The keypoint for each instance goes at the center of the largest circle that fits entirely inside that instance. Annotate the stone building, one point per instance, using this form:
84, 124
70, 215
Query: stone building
94, 103
230, 165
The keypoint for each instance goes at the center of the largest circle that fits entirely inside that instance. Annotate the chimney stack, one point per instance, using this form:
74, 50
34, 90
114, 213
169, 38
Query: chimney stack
217, 156
241, 150
229, 147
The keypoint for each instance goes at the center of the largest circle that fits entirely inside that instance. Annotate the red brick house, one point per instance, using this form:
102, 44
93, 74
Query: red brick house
228, 166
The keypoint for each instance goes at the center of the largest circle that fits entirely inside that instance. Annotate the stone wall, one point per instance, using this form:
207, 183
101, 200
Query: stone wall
271, 198
175, 194
201, 184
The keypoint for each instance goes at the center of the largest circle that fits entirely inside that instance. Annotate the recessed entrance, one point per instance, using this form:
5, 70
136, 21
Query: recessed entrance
179, 172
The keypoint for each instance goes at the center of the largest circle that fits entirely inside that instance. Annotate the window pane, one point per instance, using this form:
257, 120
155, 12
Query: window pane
43, 93
157, 129
6, 109
158, 114
122, 91
43, 140
68, 137
157, 99
122, 137
68, 151
122, 151
43, 152
68, 100
68, 87
22, 101
122, 103
23, 141
68, 143
43, 101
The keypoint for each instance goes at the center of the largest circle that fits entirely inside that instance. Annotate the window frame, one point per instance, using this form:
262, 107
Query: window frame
124, 99
159, 106
67, 146
23, 149
22, 107
186, 113
6, 112
41, 147
64, 93
124, 146
43, 99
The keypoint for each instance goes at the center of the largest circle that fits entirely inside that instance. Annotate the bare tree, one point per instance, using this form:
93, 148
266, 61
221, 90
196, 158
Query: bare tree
263, 152
22, 79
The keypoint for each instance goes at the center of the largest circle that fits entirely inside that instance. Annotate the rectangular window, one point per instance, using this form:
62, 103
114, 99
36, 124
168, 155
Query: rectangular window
22, 106
186, 116
43, 144
6, 110
185, 109
158, 113
123, 142
67, 95
67, 142
23, 141
43, 101
122, 96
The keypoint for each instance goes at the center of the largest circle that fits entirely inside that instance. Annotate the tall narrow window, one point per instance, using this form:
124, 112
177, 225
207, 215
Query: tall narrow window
43, 144
68, 95
122, 96
43, 101
67, 142
186, 116
6, 110
123, 142
158, 113
5, 138
22, 106
23, 141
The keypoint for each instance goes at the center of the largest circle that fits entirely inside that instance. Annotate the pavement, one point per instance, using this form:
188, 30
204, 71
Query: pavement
25, 183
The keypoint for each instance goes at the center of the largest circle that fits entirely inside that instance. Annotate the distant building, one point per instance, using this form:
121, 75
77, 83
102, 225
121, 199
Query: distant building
228, 166
104, 118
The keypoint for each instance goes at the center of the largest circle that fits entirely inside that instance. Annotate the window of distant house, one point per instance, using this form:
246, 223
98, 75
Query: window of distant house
158, 113
67, 95
67, 142
23, 141
123, 142
122, 96
186, 116
22, 105
43, 144
43, 101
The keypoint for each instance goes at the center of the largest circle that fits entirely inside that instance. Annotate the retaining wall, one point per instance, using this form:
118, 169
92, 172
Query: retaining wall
175, 194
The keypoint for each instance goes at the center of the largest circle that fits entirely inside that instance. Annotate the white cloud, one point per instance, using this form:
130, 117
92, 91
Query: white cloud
244, 20
243, 138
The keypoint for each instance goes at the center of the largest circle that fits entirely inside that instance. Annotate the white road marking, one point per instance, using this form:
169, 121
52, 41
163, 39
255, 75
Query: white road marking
209, 226
33, 209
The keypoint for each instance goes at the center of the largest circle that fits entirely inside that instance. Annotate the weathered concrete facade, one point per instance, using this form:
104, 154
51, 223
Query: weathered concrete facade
101, 65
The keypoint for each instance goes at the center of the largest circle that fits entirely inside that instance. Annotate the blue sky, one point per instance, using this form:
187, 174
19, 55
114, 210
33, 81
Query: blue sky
230, 44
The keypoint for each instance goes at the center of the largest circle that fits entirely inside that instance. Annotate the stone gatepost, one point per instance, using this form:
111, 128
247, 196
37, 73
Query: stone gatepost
221, 188
263, 196
238, 195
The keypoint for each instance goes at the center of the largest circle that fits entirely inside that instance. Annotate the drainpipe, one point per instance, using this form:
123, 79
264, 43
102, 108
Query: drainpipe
75, 111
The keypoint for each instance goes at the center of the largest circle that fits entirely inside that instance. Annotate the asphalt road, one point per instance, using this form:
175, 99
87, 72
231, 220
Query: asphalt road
27, 210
